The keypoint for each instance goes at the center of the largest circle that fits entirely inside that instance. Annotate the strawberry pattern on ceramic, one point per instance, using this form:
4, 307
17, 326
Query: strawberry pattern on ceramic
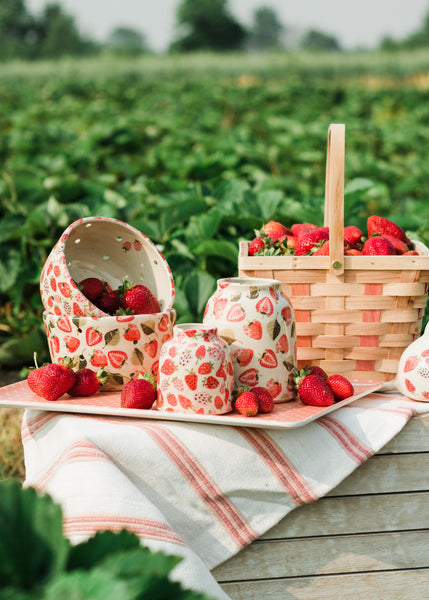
195, 372
124, 345
257, 320
412, 378
108, 249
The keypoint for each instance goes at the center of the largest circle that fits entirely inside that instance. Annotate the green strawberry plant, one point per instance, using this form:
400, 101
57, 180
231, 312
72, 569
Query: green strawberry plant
38, 562
196, 159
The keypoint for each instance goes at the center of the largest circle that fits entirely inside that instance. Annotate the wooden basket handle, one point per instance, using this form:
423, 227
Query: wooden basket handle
334, 197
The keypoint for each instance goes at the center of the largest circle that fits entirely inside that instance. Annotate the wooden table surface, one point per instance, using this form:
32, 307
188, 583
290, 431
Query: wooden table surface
367, 540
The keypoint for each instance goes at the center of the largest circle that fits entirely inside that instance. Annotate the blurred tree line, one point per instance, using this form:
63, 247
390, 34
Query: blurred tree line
201, 25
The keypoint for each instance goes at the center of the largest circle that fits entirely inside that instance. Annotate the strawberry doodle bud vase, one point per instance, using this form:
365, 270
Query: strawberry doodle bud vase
257, 320
195, 372
412, 378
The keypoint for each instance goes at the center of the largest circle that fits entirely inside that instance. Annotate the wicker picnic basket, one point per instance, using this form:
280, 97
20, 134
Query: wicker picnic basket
355, 315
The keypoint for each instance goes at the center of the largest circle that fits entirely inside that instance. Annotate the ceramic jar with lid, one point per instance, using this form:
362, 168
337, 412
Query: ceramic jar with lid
257, 320
195, 373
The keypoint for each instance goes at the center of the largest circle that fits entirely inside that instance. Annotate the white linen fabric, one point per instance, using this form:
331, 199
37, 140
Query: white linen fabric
202, 492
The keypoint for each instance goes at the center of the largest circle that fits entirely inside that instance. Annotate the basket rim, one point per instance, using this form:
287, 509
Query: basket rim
360, 263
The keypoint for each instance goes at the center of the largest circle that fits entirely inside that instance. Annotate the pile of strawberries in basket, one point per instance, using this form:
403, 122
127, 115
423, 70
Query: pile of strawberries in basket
383, 238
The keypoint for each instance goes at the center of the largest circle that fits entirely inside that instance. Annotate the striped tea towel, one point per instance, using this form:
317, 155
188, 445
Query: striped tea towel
199, 491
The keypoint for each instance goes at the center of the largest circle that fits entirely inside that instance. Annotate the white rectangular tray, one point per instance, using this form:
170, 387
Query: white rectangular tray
284, 416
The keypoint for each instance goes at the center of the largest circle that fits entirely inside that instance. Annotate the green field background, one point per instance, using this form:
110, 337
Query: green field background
196, 152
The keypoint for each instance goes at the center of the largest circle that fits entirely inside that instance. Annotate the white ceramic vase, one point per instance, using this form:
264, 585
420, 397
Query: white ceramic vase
257, 320
195, 372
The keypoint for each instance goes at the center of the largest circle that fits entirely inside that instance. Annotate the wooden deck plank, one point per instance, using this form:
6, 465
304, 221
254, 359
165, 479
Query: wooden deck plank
302, 557
355, 514
404, 585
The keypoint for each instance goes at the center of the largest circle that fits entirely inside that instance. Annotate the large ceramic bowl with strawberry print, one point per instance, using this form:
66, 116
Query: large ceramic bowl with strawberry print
110, 250
124, 345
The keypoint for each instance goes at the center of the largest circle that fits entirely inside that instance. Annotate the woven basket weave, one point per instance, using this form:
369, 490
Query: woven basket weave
355, 315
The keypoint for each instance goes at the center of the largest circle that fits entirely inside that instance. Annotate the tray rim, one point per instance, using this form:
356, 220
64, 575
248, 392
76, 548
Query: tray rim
228, 419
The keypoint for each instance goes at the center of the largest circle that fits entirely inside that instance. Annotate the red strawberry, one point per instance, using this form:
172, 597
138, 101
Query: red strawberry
51, 381
93, 337
310, 241
277, 236
383, 226
353, 234
265, 401
249, 377
411, 363
91, 287
99, 359
126, 246
200, 352
109, 303
139, 299
400, 246
265, 306
255, 246
205, 368
137, 245
315, 392
117, 358
411, 253
132, 333
72, 343
286, 313
243, 356
300, 228
140, 392
275, 226
211, 382
299, 376
268, 360
253, 330
247, 404
168, 367
341, 386
88, 382
274, 388
353, 252
191, 381
378, 246
323, 250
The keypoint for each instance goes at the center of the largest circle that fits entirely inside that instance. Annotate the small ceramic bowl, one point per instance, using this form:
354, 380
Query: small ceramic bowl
124, 345
110, 250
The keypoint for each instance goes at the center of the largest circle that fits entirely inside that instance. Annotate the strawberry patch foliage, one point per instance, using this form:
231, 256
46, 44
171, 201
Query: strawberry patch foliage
196, 159
37, 561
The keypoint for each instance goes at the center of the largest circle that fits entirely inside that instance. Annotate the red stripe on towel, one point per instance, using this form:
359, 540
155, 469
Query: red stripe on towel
350, 443
203, 485
143, 528
279, 464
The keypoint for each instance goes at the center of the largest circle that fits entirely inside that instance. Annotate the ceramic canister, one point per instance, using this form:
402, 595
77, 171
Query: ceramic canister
195, 372
412, 378
257, 321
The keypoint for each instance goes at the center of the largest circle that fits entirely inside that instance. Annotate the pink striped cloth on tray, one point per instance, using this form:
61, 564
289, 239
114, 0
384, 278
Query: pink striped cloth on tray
199, 491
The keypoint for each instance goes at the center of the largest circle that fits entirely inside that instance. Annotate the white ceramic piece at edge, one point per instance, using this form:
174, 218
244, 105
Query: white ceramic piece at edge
412, 378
